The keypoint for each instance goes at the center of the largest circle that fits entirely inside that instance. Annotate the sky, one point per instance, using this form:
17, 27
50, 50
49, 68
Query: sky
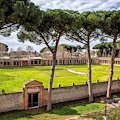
77, 5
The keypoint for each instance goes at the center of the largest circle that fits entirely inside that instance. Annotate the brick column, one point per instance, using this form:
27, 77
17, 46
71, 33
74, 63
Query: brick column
26, 99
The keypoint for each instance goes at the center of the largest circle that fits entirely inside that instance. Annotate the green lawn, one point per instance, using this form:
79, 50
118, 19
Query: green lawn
58, 111
113, 114
11, 79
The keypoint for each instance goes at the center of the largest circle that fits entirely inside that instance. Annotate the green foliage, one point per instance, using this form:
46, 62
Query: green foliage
30, 16
5, 46
14, 13
109, 44
68, 47
6, 10
99, 46
42, 50
111, 22
86, 27
7, 21
55, 23
98, 53
103, 45
78, 47
118, 44
84, 46
60, 19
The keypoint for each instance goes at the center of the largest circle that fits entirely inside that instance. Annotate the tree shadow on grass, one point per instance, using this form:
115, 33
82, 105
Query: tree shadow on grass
59, 110
37, 114
15, 115
64, 111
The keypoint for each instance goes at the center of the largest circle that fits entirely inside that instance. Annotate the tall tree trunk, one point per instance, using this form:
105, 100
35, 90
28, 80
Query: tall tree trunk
50, 83
105, 52
111, 69
89, 74
52, 70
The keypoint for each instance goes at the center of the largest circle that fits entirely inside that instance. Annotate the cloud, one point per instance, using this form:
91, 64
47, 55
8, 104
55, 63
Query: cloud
13, 42
79, 5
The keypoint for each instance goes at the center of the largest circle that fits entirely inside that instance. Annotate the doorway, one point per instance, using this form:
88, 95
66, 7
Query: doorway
33, 100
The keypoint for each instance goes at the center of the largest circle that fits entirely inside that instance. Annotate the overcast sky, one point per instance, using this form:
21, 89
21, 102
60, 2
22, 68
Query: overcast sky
78, 5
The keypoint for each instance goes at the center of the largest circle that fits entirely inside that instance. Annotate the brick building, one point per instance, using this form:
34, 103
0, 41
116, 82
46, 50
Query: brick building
64, 57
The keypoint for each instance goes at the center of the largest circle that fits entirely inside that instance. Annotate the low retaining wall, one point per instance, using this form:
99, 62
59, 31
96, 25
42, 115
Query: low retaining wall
16, 101
11, 101
77, 92
69, 93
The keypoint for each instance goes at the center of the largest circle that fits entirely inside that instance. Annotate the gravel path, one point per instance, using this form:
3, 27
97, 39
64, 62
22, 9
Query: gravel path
80, 73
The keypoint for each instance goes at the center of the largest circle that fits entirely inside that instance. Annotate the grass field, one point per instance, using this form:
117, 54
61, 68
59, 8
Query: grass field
113, 114
58, 112
11, 79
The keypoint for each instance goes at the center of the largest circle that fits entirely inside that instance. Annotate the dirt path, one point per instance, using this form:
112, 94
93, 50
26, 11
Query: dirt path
80, 73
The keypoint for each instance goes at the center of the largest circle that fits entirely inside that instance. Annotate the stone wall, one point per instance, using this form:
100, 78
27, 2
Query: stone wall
16, 101
11, 101
100, 88
76, 92
69, 93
